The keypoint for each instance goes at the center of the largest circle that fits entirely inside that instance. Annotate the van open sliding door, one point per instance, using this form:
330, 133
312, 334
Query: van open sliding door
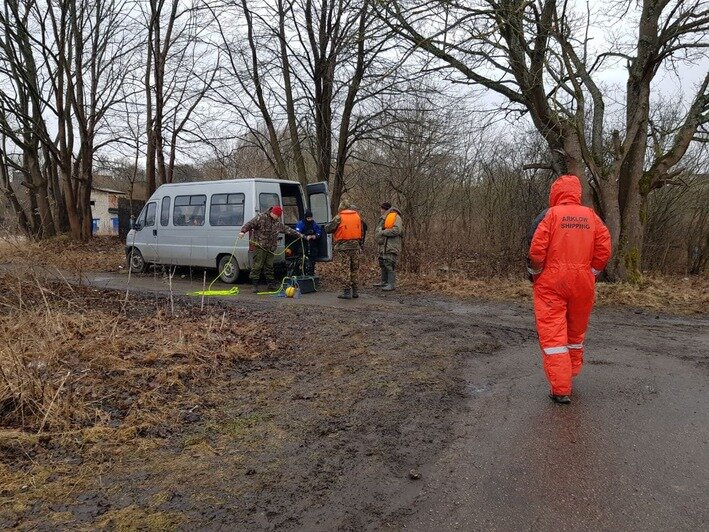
268, 194
319, 202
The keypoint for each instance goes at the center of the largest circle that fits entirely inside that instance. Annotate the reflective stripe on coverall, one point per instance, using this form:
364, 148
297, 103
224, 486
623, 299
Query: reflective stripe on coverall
569, 248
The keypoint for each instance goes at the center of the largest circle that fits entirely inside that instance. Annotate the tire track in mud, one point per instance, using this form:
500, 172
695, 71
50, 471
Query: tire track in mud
395, 439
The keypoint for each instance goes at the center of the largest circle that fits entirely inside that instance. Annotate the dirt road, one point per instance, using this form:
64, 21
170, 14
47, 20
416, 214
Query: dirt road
368, 395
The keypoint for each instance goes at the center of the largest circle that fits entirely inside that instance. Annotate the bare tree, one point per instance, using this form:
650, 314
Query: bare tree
101, 45
308, 72
23, 103
65, 61
538, 57
180, 68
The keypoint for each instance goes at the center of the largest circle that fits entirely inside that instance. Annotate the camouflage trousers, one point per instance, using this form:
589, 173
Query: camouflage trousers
349, 261
387, 261
263, 261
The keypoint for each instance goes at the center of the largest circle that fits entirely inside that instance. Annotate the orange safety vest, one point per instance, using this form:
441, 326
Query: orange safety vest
390, 220
350, 227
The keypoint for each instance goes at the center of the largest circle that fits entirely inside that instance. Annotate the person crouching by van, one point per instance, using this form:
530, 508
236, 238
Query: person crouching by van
347, 229
266, 227
311, 232
389, 235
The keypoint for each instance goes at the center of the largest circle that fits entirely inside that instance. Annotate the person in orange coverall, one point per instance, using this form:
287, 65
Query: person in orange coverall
570, 246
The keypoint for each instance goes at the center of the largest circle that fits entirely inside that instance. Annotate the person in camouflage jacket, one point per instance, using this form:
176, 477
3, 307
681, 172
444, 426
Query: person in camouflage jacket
266, 228
388, 235
347, 250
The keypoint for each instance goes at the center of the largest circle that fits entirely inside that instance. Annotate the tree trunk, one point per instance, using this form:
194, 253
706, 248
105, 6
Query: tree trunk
22, 219
73, 216
39, 189
323, 125
627, 257
610, 212
290, 104
84, 188
149, 124
343, 146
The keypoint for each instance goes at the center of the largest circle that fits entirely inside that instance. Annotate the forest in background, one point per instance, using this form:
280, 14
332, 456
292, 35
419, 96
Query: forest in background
459, 113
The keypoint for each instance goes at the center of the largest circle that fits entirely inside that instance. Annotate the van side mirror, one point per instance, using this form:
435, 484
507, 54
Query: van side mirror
137, 226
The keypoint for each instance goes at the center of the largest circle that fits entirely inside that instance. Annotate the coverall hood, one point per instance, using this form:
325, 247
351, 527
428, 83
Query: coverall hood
566, 190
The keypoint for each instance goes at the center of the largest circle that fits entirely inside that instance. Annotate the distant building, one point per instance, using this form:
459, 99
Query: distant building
110, 217
104, 210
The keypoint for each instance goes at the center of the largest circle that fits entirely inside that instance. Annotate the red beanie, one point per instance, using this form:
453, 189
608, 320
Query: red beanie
277, 210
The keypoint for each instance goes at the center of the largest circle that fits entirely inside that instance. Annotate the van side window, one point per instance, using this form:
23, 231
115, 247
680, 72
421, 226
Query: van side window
266, 200
318, 205
150, 213
165, 211
189, 210
226, 209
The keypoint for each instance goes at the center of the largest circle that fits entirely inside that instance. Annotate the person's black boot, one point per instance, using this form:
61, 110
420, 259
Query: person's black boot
271, 287
254, 285
560, 399
355, 292
391, 281
346, 294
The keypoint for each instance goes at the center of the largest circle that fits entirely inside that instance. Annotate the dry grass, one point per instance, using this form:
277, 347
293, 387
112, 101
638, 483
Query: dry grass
673, 295
104, 253
73, 358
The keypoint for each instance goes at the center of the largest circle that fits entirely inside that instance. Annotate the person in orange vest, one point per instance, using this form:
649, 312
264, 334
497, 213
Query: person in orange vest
347, 229
569, 249
388, 235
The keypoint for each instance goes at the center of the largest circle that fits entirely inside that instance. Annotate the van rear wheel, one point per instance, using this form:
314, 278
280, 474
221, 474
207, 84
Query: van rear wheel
136, 263
228, 269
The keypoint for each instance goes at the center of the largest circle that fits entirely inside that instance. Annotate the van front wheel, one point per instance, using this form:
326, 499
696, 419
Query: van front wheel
228, 269
136, 263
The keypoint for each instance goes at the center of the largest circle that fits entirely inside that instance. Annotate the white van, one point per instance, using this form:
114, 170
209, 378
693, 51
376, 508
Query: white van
197, 224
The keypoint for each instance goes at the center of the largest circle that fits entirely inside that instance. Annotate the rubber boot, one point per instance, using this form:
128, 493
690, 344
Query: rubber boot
391, 281
383, 282
346, 294
355, 292
560, 399
255, 288
271, 287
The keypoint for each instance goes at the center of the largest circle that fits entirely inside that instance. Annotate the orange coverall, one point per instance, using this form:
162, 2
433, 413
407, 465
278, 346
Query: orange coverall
570, 247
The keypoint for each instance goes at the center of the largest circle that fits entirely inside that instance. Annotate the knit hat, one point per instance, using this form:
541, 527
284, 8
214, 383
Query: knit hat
386, 206
277, 210
308, 214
